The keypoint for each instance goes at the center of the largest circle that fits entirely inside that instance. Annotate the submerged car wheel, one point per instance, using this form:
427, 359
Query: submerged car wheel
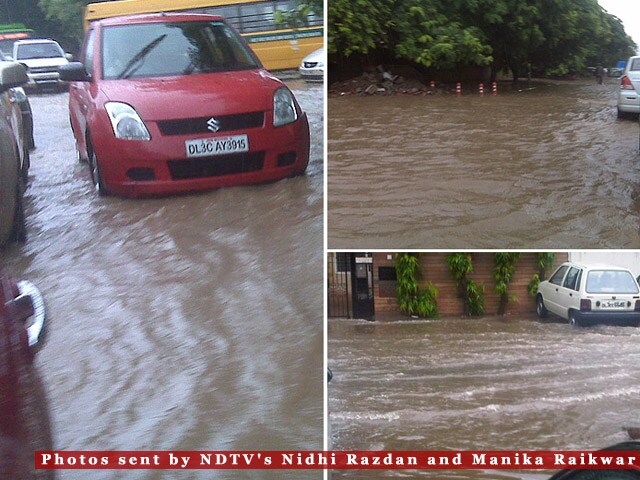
26, 164
573, 321
8, 201
79, 156
19, 231
96, 176
541, 310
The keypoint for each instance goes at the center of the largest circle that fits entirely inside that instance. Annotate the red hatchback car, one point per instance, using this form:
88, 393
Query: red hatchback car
24, 417
166, 103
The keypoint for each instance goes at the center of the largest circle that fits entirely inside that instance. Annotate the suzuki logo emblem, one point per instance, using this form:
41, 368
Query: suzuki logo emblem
213, 125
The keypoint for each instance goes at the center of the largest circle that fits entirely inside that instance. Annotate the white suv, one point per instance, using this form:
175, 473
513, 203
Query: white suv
41, 58
590, 294
629, 94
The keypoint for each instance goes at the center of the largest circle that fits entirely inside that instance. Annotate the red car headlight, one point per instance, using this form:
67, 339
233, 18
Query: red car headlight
126, 122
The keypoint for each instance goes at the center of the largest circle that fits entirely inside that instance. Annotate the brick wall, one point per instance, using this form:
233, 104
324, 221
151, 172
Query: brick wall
435, 270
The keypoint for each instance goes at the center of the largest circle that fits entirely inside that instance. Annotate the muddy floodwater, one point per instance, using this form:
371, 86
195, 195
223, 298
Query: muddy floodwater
487, 384
181, 323
547, 166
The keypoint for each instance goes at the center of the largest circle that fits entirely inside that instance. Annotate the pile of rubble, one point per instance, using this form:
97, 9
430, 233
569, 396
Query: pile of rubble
383, 82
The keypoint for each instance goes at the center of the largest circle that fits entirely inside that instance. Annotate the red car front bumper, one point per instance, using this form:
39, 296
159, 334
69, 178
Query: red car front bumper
160, 166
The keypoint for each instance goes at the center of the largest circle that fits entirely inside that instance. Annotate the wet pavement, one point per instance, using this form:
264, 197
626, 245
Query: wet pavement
481, 384
181, 323
549, 166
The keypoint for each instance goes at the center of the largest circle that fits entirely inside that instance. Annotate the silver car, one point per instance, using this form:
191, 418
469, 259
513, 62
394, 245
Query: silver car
629, 95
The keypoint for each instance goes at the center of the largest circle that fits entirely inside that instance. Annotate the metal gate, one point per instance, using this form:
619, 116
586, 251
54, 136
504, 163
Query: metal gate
350, 289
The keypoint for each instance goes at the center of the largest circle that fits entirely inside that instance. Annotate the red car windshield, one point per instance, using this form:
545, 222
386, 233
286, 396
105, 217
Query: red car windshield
169, 49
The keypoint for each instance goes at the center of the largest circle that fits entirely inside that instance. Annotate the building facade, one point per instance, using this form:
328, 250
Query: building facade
363, 285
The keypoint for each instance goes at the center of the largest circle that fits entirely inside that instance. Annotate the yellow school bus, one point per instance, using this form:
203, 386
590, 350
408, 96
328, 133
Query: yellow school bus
277, 46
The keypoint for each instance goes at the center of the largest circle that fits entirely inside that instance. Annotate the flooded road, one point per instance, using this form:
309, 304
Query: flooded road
181, 323
550, 166
485, 384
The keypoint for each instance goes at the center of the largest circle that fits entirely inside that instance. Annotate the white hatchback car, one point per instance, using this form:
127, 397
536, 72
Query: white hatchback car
312, 66
590, 294
629, 94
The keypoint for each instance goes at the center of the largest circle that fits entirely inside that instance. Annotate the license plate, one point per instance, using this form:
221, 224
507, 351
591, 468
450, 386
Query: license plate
613, 304
205, 147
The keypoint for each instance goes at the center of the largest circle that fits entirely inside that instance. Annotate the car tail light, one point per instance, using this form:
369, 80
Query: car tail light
625, 83
585, 305
637, 308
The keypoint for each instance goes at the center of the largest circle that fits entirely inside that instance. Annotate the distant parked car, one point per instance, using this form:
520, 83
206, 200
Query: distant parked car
312, 66
629, 94
615, 71
14, 155
590, 294
22, 99
167, 103
24, 417
42, 58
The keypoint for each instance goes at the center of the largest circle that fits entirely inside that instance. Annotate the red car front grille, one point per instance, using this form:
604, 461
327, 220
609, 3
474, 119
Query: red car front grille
216, 166
222, 123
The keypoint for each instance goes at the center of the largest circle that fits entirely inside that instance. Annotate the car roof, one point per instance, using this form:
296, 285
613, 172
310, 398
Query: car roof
595, 266
35, 40
156, 18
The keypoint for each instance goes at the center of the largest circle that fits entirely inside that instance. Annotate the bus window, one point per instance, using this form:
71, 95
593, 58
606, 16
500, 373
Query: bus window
257, 17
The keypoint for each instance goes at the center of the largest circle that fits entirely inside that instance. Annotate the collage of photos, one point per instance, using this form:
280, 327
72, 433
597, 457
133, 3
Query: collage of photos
249, 227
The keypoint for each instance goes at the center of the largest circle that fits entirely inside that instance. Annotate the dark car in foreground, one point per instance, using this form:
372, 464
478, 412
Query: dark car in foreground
24, 418
22, 99
167, 103
580, 474
14, 154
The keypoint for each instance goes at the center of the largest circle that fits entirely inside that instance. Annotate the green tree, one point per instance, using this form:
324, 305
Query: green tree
68, 14
553, 37
427, 36
578, 34
297, 17
510, 27
412, 298
34, 16
503, 271
460, 266
360, 26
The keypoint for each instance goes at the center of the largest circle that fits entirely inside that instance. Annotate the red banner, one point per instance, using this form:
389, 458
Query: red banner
318, 460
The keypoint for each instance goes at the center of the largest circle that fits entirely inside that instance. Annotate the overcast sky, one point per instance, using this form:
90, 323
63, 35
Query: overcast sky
629, 12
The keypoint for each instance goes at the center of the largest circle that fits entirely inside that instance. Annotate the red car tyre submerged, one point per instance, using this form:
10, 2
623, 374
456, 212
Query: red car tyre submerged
168, 103
24, 418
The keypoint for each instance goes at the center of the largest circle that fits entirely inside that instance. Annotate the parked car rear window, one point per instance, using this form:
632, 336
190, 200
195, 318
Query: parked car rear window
635, 64
175, 48
38, 50
611, 281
